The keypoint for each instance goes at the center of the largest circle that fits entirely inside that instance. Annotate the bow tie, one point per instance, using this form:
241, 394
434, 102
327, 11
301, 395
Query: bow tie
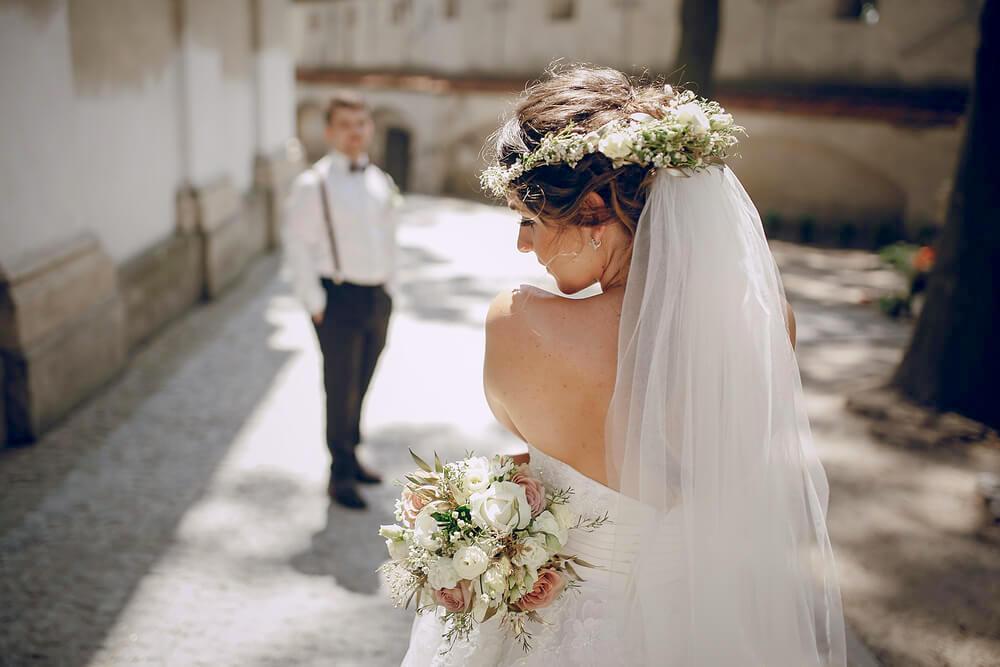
357, 166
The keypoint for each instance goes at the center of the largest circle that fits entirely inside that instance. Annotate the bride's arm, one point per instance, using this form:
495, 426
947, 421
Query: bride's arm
496, 363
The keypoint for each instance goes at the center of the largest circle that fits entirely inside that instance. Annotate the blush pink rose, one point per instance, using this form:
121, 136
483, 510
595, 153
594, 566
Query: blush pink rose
547, 588
455, 599
412, 504
534, 490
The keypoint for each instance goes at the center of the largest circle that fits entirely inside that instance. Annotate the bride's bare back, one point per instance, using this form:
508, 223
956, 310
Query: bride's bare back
550, 371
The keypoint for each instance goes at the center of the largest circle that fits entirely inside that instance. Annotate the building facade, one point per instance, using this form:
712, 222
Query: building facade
853, 109
145, 146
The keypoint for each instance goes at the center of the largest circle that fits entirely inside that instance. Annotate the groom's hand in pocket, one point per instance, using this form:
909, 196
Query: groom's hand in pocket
318, 318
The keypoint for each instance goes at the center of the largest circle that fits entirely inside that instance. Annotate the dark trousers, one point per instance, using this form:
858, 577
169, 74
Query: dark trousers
351, 337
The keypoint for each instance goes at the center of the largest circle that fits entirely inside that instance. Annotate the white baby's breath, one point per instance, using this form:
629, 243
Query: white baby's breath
691, 134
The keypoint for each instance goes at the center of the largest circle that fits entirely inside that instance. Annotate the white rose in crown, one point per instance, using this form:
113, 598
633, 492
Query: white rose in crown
441, 574
477, 475
616, 145
691, 114
424, 531
502, 507
720, 120
470, 562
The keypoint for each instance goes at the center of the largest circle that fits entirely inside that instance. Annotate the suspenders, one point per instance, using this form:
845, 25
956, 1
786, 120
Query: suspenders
329, 225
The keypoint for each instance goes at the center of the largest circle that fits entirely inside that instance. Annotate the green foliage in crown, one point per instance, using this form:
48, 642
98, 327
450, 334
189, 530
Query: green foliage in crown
691, 134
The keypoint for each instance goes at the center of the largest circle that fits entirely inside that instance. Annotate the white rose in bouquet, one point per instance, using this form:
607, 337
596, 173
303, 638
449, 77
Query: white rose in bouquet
495, 581
398, 549
477, 475
547, 523
470, 562
502, 507
395, 542
425, 530
441, 574
532, 553
564, 517
392, 532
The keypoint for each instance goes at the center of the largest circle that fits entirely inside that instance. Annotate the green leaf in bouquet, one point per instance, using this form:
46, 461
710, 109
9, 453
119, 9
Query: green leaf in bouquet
580, 561
438, 466
490, 613
576, 575
420, 462
551, 543
409, 598
414, 480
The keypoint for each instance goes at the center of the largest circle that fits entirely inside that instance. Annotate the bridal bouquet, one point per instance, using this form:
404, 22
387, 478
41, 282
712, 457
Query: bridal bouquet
481, 537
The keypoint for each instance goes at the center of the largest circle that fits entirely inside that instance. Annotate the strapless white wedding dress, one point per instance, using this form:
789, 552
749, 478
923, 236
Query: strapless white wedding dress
577, 631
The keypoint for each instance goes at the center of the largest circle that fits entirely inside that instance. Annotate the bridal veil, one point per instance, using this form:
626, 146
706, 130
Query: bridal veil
724, 498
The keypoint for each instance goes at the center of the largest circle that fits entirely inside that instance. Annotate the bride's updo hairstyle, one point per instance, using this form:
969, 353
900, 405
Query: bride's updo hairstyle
588, 97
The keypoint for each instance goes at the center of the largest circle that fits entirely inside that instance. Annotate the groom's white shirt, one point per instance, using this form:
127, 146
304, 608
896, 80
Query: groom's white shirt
362, 207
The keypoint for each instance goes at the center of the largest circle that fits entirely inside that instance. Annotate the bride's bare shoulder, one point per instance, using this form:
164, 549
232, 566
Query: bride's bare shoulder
529, 320
521, 314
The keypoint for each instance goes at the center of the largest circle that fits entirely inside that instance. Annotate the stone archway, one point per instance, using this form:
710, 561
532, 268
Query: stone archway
465, 162
393, 145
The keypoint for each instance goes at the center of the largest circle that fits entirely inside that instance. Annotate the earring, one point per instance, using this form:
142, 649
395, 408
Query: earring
595, 243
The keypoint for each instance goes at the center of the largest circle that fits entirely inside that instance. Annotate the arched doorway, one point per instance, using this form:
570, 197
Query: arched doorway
397, 156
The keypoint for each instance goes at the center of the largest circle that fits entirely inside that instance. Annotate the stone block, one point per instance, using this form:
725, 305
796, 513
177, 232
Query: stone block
225, 233
160, 284
43, 289
273, 176
63, 337
255, 207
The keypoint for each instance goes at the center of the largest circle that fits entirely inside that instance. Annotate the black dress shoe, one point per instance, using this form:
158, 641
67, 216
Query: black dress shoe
345, 493
366, 476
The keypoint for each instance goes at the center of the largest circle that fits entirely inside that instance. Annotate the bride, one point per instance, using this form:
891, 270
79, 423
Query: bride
671, 400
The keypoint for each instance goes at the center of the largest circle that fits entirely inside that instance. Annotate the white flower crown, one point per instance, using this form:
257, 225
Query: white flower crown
693, 133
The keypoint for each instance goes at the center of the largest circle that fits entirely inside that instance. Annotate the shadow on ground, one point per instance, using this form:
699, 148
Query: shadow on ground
87, 512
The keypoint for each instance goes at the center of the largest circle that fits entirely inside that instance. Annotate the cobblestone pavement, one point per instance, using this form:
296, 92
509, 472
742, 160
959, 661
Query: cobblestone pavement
180, 519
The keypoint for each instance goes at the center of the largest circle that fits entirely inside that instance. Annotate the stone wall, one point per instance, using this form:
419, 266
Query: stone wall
146, 148
62, 332
912, 43
834, 172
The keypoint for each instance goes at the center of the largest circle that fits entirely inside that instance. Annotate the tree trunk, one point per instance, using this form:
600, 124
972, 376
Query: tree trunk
699, 36
953, 361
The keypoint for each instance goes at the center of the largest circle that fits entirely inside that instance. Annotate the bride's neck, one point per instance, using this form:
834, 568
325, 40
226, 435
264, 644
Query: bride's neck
615, 273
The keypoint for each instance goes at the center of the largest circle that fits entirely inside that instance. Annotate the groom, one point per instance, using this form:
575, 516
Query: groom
340, 244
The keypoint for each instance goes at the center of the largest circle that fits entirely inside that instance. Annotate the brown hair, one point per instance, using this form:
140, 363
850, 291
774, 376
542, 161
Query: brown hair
345, 99
589, 97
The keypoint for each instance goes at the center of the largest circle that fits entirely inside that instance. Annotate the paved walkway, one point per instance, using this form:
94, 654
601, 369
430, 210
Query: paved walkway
180, 518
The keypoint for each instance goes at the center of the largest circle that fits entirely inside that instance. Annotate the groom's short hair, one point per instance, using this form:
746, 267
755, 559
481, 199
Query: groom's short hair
345, 99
